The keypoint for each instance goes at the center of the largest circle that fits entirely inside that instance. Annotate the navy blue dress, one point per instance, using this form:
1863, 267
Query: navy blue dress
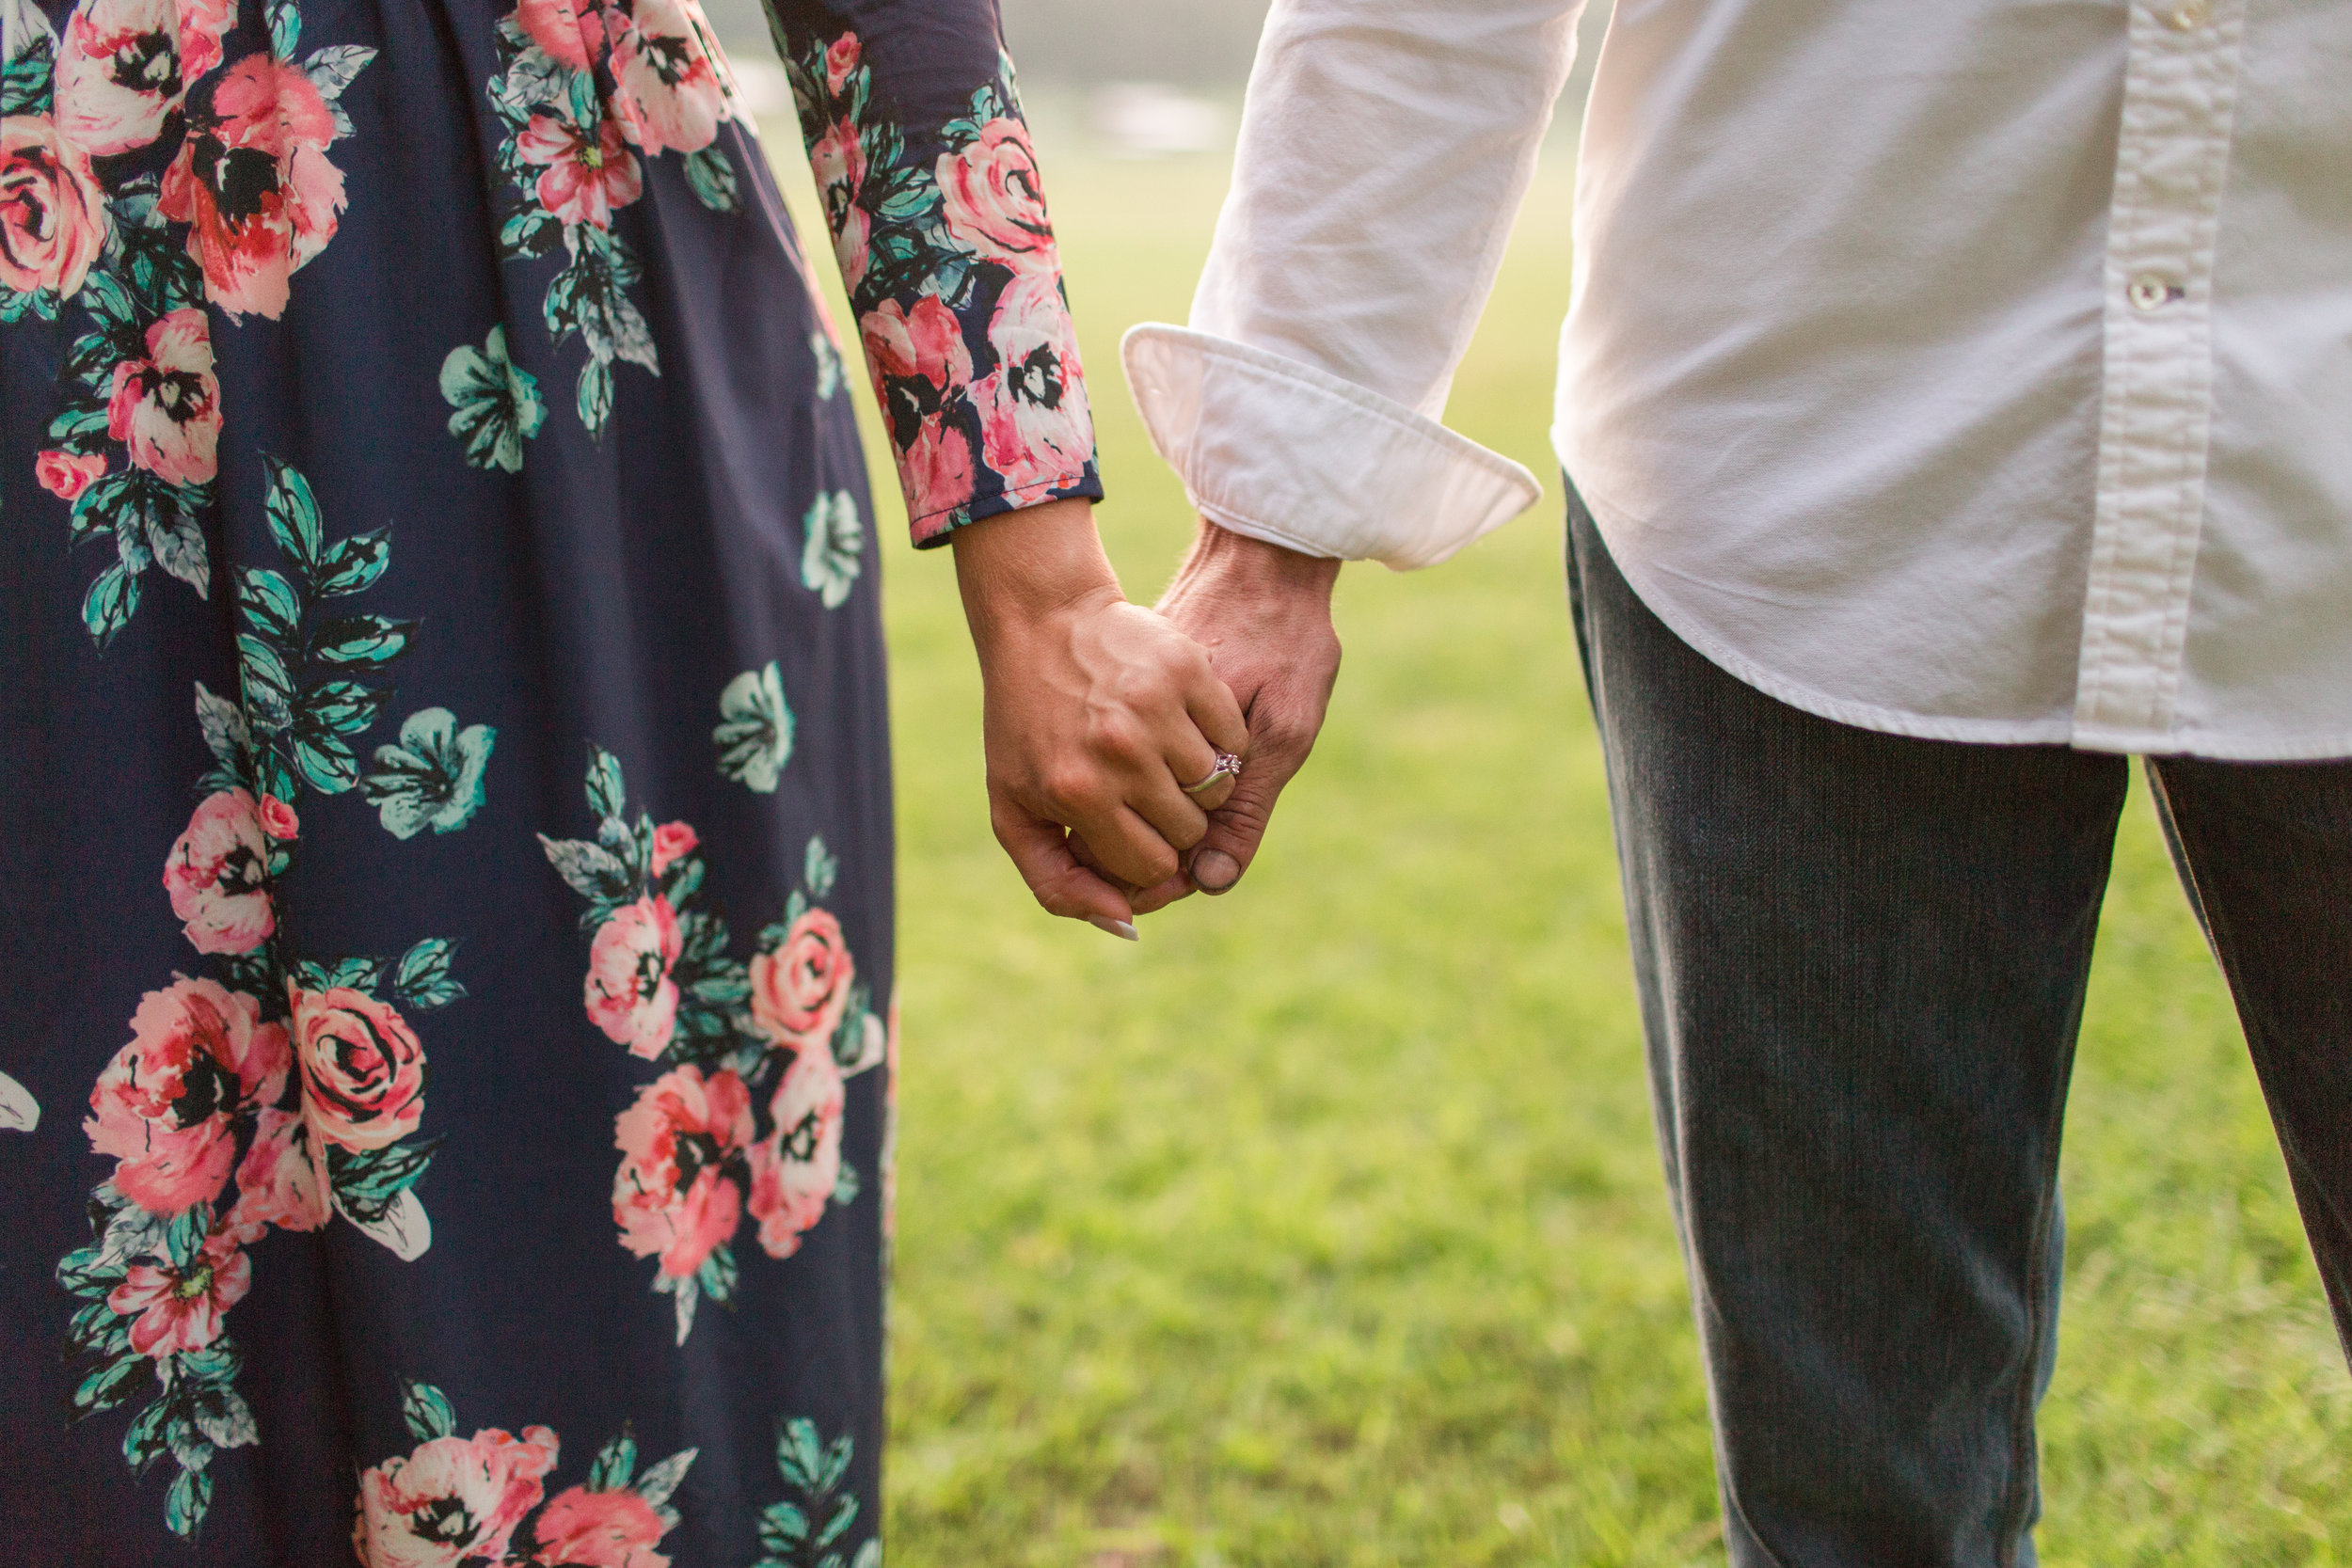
446, 988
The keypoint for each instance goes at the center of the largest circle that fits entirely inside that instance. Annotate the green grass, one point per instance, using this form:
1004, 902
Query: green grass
1324, 1227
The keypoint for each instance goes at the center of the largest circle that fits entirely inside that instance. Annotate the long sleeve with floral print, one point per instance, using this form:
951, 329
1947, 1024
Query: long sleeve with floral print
930, 189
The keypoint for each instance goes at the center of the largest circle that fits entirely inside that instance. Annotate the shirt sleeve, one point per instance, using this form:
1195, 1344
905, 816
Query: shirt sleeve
1385, 148
938, 218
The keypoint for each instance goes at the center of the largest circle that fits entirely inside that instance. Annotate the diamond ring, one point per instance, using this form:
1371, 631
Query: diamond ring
1228, 767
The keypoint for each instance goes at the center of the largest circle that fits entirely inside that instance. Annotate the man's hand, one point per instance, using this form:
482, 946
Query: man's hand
1264, 614
1097, 711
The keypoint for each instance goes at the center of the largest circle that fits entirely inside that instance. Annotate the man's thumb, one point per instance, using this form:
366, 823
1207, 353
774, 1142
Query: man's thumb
1235, 828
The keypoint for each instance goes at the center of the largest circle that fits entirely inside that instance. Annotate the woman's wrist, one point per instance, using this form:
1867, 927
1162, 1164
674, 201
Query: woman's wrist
1019, 569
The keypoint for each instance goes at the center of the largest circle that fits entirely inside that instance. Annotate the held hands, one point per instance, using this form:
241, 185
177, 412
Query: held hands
1097, 712
1264, 614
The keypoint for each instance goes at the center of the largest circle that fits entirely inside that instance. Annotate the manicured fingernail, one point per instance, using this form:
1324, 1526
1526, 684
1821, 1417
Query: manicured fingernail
1214, 871
1116, 928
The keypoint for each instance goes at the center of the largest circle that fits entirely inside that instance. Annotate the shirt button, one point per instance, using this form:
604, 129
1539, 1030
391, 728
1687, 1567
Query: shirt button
2187, 16
2150, 292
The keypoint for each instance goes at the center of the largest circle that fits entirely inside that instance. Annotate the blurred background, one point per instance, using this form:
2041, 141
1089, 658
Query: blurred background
1322, 1227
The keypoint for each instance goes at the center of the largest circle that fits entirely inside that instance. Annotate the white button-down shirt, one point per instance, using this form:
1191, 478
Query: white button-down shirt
1980, 371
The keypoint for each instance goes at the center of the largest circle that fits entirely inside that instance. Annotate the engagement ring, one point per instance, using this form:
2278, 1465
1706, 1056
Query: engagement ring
1228, 767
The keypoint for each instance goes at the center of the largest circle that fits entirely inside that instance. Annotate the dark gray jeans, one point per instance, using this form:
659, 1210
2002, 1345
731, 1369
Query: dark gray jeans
1861, 961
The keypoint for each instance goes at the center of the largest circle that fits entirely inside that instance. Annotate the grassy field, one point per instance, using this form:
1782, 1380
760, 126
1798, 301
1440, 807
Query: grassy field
1322, 1227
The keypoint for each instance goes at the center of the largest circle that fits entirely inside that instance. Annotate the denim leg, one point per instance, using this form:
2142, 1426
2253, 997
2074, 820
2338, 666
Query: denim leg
1861, 961
2266, 852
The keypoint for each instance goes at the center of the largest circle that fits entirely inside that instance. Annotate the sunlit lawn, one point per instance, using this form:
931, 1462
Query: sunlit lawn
1324, 1227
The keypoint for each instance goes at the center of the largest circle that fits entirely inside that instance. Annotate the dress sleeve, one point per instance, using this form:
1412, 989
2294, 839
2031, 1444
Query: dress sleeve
938, 217
1385, 148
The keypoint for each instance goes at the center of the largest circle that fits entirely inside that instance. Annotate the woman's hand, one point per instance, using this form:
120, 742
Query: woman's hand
1098, 712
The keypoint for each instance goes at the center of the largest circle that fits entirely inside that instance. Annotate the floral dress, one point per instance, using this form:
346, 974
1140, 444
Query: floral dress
447, 1036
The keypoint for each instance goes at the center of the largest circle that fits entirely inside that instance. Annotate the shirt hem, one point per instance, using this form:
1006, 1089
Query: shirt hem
1981, 732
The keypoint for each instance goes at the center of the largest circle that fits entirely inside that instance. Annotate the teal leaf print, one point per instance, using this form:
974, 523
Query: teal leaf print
613, 1464
589, 870
805, 1531
330, 71
356, 973
268, 687
828, 364
434, 777
427, 1410
755, 733
293, 513
594, 398
270, 604
497, 402
326, 762
285, 28
28, 71
177, 540
836, 539
343, 706
186, 1503
112, 599
820, 868
19, 1111
353, 565
607, 796
370, 1185
713, 179
363, 640
662, 1479
422, 980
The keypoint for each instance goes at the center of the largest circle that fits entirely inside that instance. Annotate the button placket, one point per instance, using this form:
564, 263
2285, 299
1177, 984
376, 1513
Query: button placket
2155, 405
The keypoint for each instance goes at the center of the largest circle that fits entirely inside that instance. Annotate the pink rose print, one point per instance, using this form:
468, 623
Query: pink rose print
631, 994
599, 1530
201, 24
363, 1069
995, 202
800, 987
166, 406
837, 159
582, 180
841, 57
253, 181
672, 842
921, 371
1035, 426
278, 819
121, 68
795, 1169
672, 1196
454, 1501
218, 876
666, 86
179, 1312
571, 31
66, 475
923, 344
938, 470
166, 1106
282, 1180
52, 217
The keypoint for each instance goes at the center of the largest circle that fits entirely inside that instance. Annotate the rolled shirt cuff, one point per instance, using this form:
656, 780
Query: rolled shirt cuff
1296, 456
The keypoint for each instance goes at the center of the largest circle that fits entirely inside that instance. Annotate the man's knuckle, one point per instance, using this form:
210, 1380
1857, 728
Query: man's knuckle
1066, 787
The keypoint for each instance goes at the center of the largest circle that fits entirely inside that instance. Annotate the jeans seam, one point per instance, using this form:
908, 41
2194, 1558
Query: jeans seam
2021, 1448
